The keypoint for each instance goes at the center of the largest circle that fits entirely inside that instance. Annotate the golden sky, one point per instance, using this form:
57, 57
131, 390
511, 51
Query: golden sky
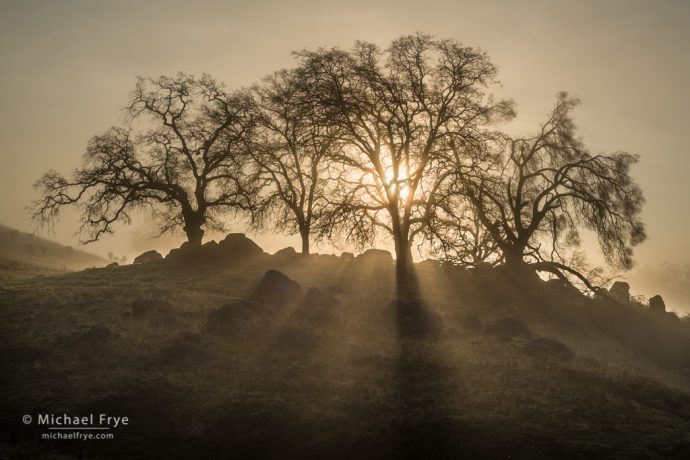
67, 67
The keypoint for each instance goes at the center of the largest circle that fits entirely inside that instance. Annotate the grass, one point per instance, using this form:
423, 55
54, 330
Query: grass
282, 387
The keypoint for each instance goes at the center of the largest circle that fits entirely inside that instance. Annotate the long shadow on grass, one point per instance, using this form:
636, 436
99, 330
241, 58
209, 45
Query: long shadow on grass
427, 428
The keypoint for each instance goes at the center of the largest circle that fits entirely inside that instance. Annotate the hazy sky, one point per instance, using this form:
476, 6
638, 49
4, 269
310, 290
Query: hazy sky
67, 68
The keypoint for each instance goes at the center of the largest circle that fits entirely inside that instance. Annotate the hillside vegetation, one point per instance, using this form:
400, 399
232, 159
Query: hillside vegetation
290, 356
23, 255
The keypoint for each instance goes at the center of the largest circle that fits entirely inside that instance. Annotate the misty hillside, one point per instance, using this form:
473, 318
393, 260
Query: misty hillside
24, 251
234, 353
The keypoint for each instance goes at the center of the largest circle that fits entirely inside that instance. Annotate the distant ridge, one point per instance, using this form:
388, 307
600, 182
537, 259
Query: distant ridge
30, 249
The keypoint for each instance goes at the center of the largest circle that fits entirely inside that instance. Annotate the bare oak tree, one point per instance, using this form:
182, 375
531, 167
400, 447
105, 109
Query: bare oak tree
180, 158
396, 110
541, 191
290, 150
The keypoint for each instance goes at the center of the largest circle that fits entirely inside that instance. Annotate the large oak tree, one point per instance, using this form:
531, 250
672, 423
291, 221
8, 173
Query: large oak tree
180, 157
396, 110
539, 193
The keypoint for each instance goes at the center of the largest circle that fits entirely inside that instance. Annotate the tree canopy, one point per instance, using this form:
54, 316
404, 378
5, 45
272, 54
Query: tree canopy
398, 109
355, 144
538, 193
178, 156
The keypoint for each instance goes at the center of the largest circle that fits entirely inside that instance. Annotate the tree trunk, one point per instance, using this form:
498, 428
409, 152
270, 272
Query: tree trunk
514, 258
304, 234
403, 253
192, 227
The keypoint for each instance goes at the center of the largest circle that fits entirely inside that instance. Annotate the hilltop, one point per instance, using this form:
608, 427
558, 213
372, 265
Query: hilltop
23, 255
249, 355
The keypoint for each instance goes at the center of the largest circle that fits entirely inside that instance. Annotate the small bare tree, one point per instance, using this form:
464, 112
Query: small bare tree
290, 150
181, 158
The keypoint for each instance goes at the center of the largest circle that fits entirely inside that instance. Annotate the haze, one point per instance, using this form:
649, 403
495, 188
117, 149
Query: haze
67, 69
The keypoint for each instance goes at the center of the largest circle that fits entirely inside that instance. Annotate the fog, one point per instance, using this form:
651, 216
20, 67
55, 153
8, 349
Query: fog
68, 68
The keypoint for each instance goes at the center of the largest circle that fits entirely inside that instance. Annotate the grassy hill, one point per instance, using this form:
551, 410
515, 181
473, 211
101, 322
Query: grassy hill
26, 255
512, 368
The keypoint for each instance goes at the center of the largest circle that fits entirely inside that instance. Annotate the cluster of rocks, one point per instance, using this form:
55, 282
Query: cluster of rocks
620, 292
274, 297
237, 247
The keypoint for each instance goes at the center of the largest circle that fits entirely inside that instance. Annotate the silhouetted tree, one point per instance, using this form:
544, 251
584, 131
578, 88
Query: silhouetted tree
396, 110
184, 163
456, 234
289, 149
541, 191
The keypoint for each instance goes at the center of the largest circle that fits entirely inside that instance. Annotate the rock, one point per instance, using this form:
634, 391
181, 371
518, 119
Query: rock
187, 253
544, 347
319, 307
430, 264
376, 256
275, 291
237, 246
601, 294
151, 308
471, 322
113, 264
347, 256
657, 304
508, 327
620, 291
148, 257
230, 318
286, 254
316, 298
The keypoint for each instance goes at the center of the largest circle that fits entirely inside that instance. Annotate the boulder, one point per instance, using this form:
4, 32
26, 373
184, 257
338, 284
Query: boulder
286, 254
230, 318
657, 304
544, 347
189, 254
620, 291
237, 246
347, 256
431, 264
601, 294
316, 298
376, 256
508, 327
275, 291
319, 307
112, 265
148, 257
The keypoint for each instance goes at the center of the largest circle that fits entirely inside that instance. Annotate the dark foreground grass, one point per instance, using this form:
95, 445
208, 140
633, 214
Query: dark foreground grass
356, 386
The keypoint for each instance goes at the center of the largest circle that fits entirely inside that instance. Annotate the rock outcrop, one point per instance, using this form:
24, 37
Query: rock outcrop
657, 304
620, 291
148, 257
